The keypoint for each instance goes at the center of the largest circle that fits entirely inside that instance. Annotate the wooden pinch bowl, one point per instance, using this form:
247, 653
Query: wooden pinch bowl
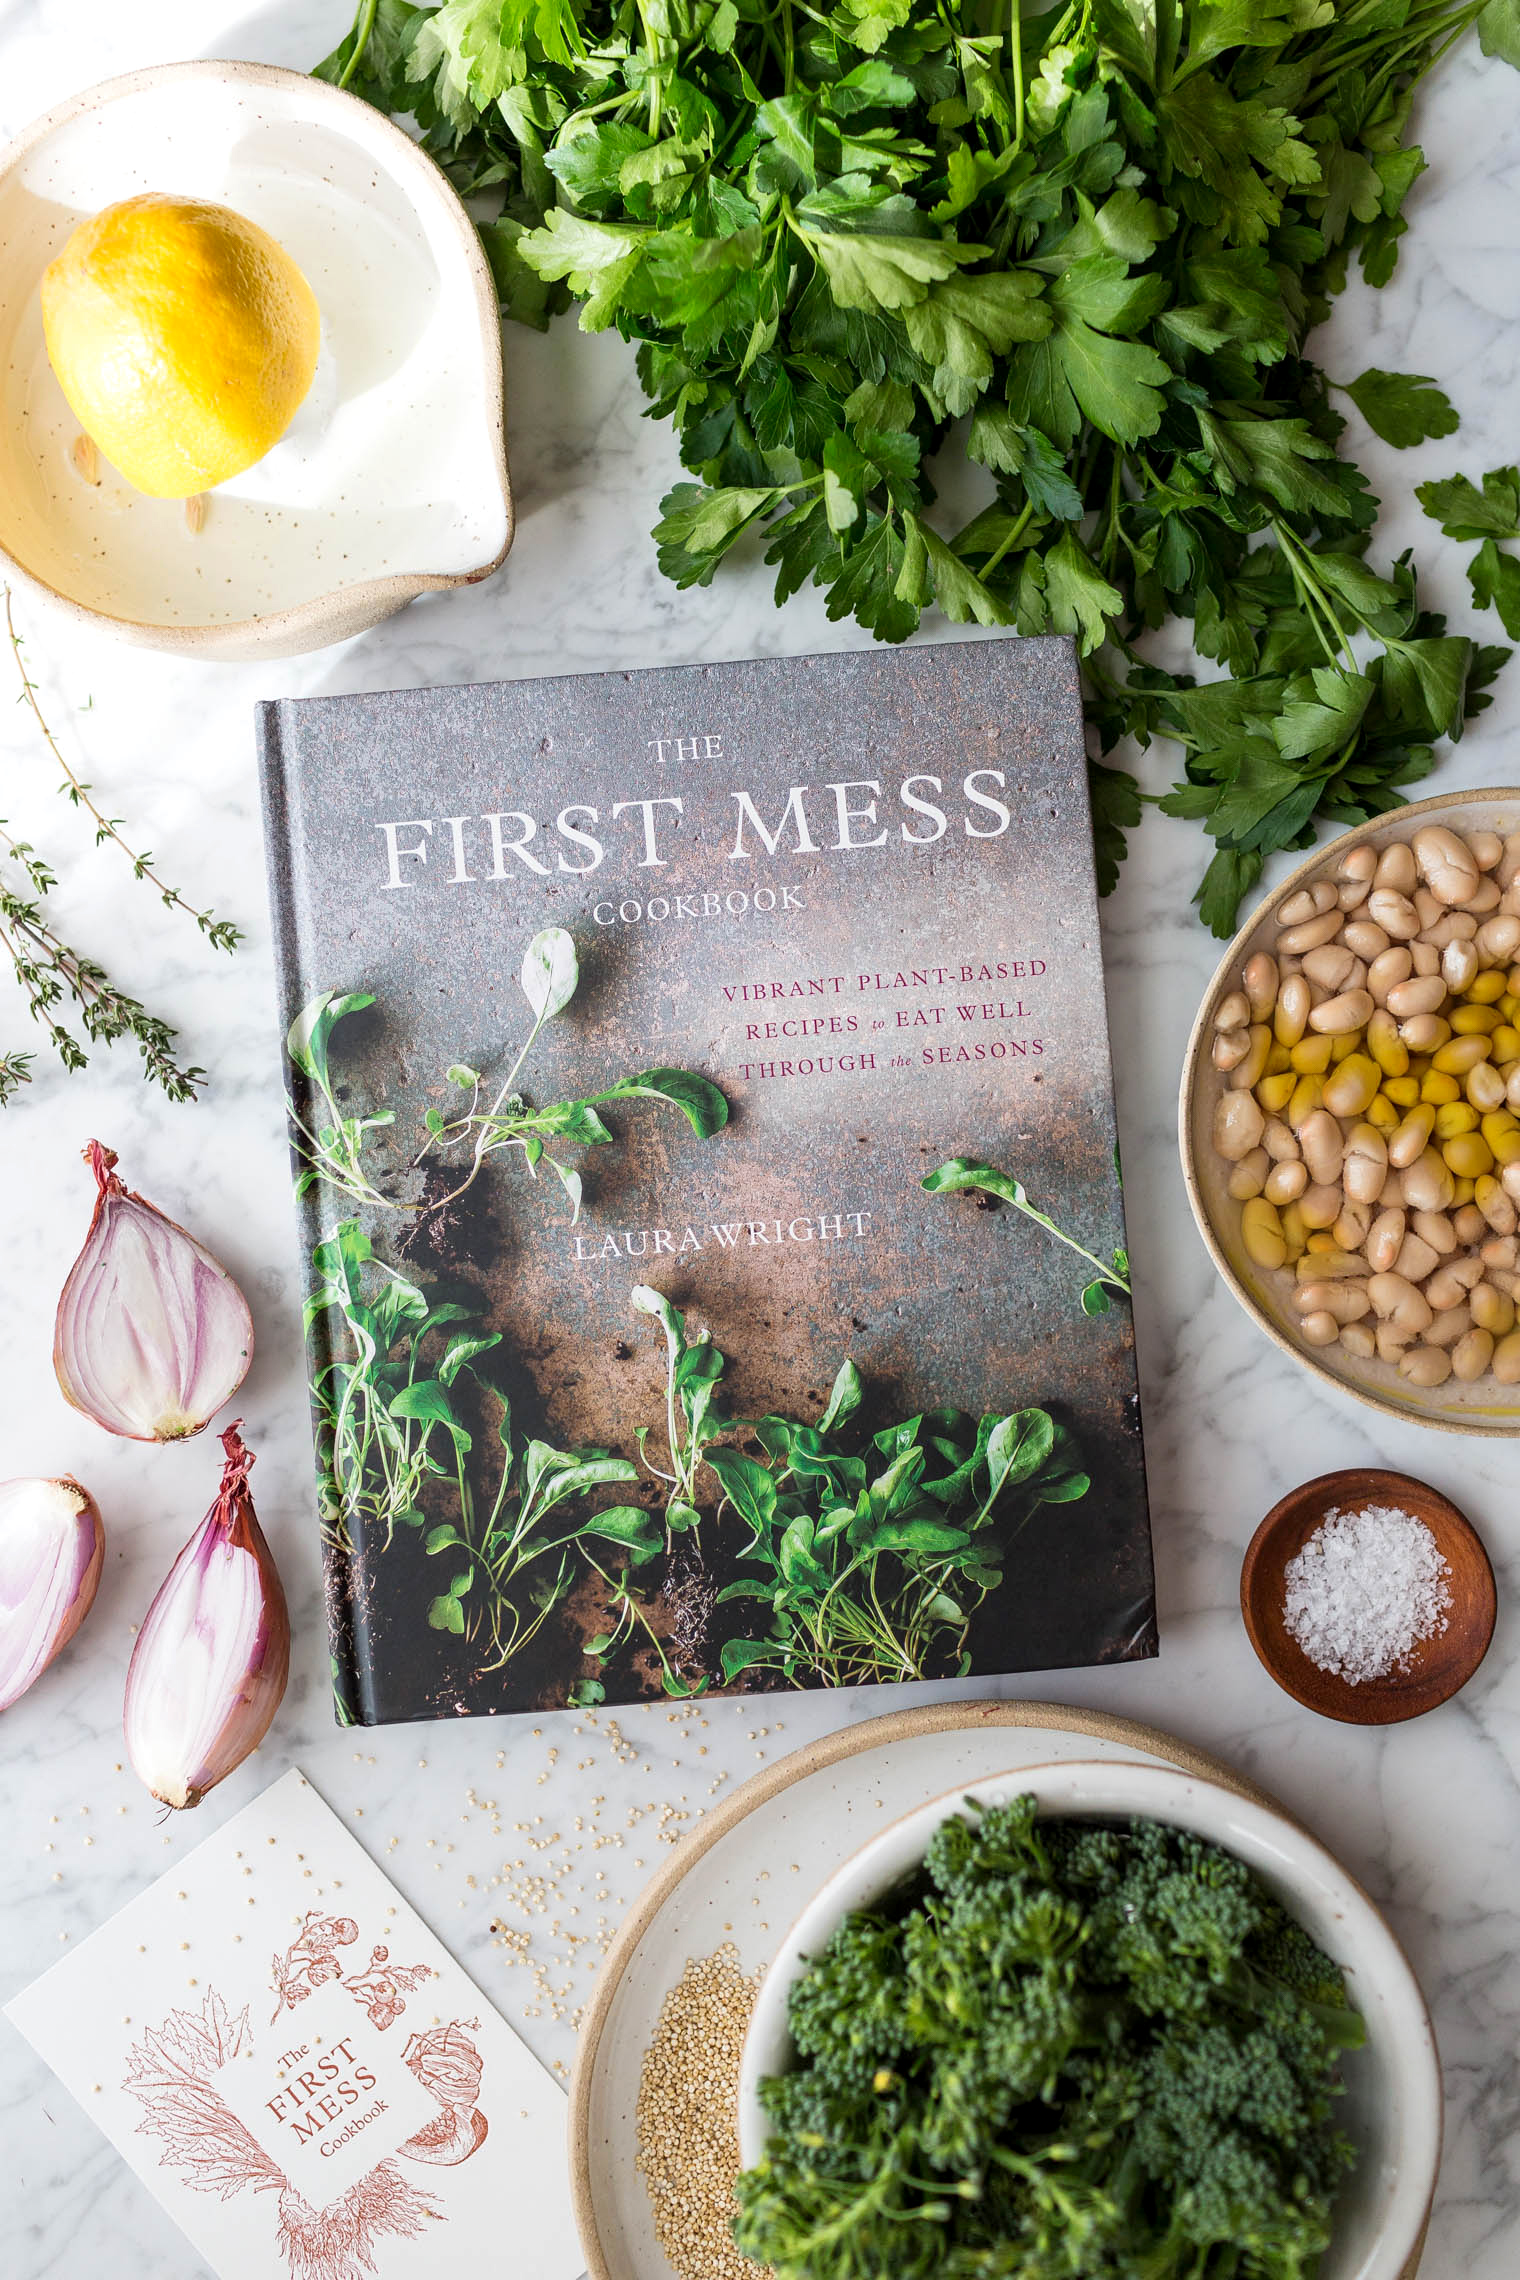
1438, 1668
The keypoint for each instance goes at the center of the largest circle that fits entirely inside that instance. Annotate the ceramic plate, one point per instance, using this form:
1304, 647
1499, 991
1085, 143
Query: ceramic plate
744, 1875
391, 477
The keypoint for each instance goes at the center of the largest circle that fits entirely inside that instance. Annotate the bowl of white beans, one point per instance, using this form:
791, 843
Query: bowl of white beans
1350, 1113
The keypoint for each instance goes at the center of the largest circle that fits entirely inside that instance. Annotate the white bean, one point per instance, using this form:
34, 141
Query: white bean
1249, 1176
1369, 941
1427, 958
1347, 1301
1260, 981
1238, 1125
1448, 1328
1392, 1345
1388, 969
1280, 1141
1424, 1033
1472, 1355
1450, 1284
1310, 902
1319, 1138
1416, 1260
1394, 913
1385, 1240
1320, 1206
1359, 1341
1486, 1087
1329, 965
1234, 1011
1459, 963
1319, 1330
1425, 1366
1503, 1251
1345, 1013
1469, 1224
1229, 1048
1434, 1228
1421, 994
1292, 1016
1485, 847
1350, 1230
1428, 1185
1310, 935
1498, 1209
1399, 1304
1353, 1010
1498, 939
1285, 1183
1455, 926
1396, 867
1365, 1164
1252, 1068
1429, 908
1485, 897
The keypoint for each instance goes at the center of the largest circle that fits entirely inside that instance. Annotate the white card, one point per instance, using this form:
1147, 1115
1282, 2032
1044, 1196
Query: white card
308, 2082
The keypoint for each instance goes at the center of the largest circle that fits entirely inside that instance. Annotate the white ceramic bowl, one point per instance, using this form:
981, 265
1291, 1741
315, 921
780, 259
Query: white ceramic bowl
1484, 1407
391, 479
1393, 2104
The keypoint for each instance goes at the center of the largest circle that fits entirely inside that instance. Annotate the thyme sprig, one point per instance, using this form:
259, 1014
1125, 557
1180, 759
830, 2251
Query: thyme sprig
219, 932
50, 972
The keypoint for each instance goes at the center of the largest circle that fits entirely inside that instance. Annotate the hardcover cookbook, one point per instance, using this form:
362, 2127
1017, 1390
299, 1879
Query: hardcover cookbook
704, 1137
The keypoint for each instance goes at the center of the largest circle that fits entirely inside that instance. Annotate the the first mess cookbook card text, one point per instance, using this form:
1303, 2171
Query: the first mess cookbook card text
310, 2085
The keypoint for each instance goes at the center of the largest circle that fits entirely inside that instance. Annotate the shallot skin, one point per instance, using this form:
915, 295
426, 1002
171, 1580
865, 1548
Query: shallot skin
153, 1336
210, 1664
47, 1587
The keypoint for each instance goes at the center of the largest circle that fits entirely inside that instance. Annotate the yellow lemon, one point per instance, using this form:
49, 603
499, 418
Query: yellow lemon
183, 337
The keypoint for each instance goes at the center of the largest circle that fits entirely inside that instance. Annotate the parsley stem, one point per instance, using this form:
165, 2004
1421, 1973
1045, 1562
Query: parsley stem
364, 24
1011, 539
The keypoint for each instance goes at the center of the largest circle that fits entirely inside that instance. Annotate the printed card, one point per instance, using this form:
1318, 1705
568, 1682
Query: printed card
311, 2086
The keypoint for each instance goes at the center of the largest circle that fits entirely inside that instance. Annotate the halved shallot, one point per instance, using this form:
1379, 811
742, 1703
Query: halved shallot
211, 1660
51, 1548
153, 1336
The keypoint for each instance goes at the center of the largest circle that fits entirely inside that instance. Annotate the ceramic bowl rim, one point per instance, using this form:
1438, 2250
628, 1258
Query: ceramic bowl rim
1101, 1787
1196, 1062
372, 598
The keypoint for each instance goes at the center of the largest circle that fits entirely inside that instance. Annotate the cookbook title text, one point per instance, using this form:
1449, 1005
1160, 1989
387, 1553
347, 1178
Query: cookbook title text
841, 816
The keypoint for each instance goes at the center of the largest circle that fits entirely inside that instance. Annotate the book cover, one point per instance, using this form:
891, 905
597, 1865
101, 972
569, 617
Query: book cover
627, 1017
299, 2072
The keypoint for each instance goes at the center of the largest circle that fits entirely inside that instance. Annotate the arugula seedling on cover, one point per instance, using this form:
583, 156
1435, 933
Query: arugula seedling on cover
961, 1173
393, 1422
1103, 232
331, 1145
869, 1564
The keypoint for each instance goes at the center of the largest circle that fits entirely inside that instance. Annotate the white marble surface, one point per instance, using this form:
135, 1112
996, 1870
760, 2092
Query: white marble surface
1428, 1815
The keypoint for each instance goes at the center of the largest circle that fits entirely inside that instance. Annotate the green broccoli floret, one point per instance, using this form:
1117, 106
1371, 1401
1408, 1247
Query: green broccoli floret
1064, 2052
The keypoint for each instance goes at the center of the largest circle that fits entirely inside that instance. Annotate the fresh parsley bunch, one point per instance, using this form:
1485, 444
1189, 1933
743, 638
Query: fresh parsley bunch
1100, 234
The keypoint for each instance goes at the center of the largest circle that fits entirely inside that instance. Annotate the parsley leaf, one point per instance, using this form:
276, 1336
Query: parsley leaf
1401, 407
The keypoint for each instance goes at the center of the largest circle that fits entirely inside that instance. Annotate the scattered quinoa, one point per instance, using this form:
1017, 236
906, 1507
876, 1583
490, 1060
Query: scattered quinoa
688, 2138
1365, 1590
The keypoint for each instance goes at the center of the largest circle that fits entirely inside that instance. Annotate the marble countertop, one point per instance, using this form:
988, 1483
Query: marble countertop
1427, 1815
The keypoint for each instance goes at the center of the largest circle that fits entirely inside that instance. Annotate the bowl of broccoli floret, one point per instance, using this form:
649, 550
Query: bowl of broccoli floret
1093, 2021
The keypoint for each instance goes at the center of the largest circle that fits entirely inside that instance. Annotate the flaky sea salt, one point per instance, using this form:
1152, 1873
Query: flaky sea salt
1364, 1591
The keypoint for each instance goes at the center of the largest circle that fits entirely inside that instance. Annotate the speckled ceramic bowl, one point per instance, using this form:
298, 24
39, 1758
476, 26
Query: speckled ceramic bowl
1392, 2109
392, 478
1484, 1407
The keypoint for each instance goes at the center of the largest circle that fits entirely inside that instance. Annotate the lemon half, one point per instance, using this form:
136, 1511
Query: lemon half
184, 338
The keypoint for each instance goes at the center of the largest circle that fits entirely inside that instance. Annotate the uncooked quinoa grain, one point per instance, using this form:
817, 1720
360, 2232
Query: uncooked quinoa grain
687, 2133
1364, 1591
